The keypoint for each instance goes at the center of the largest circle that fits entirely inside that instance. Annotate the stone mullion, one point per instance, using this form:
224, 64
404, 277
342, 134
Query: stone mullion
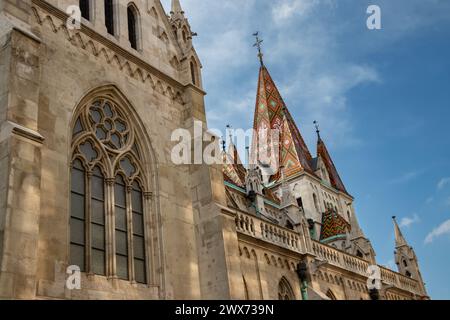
110, 229
130, 235
88, 215
148, 238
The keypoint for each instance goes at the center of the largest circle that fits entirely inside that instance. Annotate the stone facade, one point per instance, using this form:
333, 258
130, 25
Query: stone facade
198, 245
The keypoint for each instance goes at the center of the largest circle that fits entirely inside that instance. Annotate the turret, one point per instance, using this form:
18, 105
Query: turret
406, 258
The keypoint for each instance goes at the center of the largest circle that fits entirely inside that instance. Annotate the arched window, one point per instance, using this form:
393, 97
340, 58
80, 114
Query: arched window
300, 202
85, 9
193, 66
359, 254
405, 263
285, 291
109, 16
316, 202
132, 26
331, 295
107, 180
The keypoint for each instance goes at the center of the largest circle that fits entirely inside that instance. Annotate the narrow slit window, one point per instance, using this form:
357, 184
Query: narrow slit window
109, 16
132, 26
193, 73
85, 9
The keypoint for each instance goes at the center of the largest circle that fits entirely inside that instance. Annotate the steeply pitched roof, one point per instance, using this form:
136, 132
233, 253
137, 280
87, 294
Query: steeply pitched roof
335, 179
399, 238
271, 113
233, 169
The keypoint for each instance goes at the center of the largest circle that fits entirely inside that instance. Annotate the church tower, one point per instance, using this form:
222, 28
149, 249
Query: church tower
406, 259
183, 35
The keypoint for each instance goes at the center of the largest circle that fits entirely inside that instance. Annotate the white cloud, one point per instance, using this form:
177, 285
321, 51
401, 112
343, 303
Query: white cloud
443, 229
429, 200
406, 177
408, 221
286, 9
443, 182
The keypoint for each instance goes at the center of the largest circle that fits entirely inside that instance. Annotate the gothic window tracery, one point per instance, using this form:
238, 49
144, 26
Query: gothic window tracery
107, 229
285, 291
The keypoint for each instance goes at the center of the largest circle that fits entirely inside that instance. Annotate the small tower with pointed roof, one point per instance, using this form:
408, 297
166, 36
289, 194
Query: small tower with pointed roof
406, 258
183, 35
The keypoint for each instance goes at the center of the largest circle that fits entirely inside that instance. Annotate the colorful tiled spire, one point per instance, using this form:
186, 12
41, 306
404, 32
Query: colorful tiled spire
333, 225
233, 169
271, 113
335, 179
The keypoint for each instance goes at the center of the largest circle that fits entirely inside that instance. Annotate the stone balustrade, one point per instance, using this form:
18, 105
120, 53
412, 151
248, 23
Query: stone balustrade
269, 232
264, 230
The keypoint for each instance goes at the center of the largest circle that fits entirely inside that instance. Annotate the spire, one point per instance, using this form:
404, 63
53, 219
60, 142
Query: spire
176, 8
232, 168
356, 231
335, 179
272, 116
399, 239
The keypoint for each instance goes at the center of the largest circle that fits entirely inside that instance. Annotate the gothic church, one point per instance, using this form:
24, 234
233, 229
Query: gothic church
86, 177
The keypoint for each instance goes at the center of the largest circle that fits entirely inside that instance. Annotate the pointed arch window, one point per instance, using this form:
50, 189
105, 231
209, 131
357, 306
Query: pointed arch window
193, 67
109, 16
108, 202
132, 15
331, 295
316, 202
285, 290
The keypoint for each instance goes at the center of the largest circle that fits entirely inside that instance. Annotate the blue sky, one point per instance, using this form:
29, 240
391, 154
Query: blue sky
382, 99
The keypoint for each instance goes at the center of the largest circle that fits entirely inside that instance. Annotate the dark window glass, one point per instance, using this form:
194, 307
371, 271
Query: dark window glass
138, 227
98, 262
121, 229
78, 216
119, 192
77, 256
193, 73
84, 7
121, 219
132, 35
98, 246
139, 271
109, 16
122, 267
138, 234
121, 243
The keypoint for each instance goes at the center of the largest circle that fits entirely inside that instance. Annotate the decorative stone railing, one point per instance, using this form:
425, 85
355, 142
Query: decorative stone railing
398, 280
269, 232
295, 241
340, 258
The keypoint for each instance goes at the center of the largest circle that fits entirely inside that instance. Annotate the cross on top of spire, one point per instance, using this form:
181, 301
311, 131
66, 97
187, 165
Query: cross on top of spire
316, 124
258, 45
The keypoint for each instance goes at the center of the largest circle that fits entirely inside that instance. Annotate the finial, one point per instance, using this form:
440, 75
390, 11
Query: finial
316, 124
394, 218
258, 45
223, 144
